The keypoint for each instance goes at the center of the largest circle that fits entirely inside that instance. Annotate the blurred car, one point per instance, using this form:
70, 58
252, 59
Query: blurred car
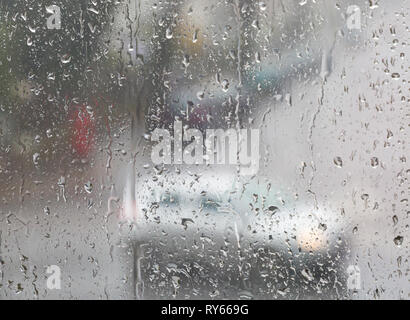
217, 236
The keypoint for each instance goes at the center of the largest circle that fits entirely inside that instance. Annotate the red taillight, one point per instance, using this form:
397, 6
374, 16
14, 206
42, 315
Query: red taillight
83, 130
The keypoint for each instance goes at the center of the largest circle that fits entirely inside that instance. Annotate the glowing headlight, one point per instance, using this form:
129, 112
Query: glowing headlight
311, 240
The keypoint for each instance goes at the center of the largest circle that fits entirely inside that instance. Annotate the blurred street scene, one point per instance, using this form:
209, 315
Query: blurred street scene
84, 84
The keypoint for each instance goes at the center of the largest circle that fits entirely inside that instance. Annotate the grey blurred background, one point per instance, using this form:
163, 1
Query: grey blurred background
325, 217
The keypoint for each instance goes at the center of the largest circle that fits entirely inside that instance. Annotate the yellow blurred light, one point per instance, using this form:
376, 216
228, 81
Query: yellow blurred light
312, 240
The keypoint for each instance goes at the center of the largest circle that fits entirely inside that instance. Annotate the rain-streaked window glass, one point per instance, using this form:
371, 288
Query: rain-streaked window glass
219, 149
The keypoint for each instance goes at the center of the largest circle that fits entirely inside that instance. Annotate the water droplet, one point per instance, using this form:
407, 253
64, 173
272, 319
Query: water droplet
200, 95
185, 61
88, 187
66, 58
322, 226
399, 261
338, 162
195, 36
258, 57
307, 274
374, 162
225, 85
364, 197
168, 33
395, 220
398, 241
185, 222
245, 295
262, 6
36, 158
273, 209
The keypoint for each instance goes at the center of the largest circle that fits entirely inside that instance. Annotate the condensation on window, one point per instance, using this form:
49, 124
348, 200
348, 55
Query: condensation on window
220, 149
